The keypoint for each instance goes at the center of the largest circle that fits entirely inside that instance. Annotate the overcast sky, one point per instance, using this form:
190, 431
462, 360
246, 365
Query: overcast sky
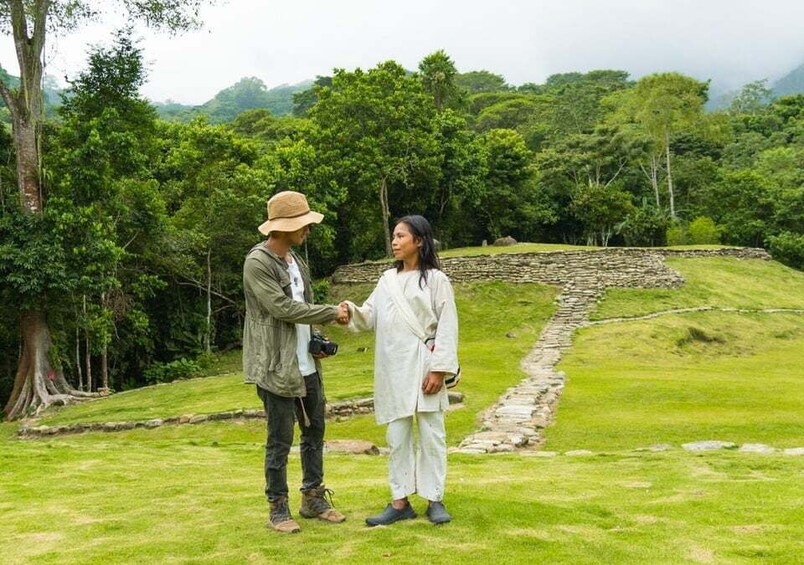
729, 41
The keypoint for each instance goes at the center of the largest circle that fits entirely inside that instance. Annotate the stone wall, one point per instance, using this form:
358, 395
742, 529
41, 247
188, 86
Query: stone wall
617, 267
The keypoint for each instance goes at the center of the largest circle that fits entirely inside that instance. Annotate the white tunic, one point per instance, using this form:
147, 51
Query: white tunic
401, 360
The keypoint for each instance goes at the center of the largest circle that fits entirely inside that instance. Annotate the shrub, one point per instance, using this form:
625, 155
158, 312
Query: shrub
703, 230
676, 235
320, 291
166, 372
788, 248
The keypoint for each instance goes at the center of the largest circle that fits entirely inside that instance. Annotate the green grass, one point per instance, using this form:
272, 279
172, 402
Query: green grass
722, 282
193, 494
683, 378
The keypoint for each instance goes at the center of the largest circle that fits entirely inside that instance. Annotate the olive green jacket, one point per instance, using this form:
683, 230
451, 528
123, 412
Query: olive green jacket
269, 333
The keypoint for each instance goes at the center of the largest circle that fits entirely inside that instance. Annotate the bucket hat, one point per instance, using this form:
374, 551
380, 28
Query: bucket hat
288, 211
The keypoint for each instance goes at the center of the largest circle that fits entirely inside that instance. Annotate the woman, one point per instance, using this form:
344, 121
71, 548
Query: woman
412, 303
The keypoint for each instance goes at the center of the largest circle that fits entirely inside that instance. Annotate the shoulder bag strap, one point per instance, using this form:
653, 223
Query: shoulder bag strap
395, 292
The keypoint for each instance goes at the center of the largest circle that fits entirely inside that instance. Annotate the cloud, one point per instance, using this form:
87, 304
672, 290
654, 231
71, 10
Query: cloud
731, 42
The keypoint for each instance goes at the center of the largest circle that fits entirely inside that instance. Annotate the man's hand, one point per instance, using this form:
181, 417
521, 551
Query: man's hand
433, 382
343, 314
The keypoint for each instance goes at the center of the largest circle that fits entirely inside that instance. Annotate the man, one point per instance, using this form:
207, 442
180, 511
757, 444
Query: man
276, 357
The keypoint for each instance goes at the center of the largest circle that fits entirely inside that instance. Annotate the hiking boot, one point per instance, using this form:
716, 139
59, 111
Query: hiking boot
437, 514
391, 515
315, 505
280, 519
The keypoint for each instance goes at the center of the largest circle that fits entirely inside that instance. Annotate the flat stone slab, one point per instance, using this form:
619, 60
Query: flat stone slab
656, 448
579, 453
356, 446
756, 448
709, 445
794, 451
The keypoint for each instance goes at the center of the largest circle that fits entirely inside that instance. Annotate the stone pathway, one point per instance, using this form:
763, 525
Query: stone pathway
518, 419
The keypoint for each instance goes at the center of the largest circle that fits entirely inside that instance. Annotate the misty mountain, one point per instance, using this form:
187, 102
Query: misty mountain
791, 83
247, 94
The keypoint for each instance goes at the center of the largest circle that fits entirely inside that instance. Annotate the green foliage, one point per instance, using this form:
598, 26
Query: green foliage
33, 264
788, 248
599, 207
167, 372
246, 94
644, 226
676, 235
510, 203
438, 75
480, 81
751, 99
703, 230
320, 291
700, 231
306, 99
372, 135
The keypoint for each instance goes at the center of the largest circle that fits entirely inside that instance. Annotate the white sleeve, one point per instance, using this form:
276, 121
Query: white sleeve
445, 354
362, 318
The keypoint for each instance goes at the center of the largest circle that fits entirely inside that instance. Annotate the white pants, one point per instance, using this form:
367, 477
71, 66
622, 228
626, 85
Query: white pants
425, 473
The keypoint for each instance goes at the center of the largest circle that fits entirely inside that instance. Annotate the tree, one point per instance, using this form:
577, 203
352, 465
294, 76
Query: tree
438, 77
101, 197
480, 81
657, 108
372, 131
510, 203
216, 198
752, 98
37, 383
599, 207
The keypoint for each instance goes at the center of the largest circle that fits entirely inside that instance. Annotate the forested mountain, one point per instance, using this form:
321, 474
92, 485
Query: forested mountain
791, 83
249, 93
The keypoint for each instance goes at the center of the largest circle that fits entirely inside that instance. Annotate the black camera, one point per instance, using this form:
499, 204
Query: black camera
320, 344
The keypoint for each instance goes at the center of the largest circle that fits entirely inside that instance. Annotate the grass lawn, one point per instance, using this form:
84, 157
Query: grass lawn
721, 282
193, 494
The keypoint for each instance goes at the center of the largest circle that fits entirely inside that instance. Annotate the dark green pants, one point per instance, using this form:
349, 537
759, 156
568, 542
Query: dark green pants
281, 414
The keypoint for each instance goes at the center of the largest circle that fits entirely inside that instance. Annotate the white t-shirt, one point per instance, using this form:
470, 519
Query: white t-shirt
306, 361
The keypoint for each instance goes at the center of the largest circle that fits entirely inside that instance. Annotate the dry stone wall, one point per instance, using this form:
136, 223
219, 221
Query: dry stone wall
617, 267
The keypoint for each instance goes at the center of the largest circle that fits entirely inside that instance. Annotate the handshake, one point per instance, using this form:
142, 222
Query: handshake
344, 316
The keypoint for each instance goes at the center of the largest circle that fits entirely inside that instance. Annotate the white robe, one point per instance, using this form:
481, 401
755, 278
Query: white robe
401, 360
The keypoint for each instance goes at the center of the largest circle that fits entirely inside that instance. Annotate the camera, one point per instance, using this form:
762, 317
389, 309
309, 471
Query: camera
320, 344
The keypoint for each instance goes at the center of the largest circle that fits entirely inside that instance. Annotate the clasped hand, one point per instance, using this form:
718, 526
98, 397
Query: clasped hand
343, 314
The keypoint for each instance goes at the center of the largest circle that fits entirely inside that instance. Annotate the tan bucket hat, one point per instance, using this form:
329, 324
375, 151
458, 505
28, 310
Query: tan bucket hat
288, 211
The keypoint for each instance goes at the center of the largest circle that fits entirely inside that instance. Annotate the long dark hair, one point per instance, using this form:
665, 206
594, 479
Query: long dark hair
421, 231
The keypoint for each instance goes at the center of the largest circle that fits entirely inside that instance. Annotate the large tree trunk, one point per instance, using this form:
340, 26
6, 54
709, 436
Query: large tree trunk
36, 385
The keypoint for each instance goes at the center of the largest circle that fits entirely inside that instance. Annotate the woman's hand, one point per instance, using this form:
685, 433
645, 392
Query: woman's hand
434, 382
